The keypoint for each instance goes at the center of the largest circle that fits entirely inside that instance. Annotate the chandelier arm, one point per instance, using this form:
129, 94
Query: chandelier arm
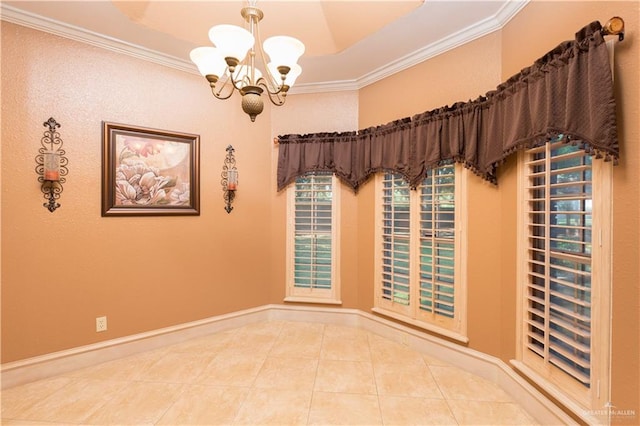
218, 94
280, 89
277, 98
234, 83
229, 80
222, 97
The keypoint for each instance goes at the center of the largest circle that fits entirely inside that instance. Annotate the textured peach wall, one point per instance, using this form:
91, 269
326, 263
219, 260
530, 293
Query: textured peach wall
61, 270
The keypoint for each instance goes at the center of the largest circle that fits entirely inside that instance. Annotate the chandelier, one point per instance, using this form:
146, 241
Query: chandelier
231, 64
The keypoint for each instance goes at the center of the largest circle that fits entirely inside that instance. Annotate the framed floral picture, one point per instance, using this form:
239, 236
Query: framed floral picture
149, 171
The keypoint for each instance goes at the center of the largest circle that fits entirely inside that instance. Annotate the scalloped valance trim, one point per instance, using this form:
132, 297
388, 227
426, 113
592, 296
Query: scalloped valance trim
567, 94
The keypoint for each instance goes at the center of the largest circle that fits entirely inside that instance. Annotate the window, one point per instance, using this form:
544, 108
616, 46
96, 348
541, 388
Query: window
312, 242
420, 264
564, 272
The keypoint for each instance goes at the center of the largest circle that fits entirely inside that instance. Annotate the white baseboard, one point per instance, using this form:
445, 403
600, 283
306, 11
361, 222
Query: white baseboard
494, 369
49, 365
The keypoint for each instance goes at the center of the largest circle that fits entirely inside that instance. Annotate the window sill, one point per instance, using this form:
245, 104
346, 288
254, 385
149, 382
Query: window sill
302, 299
425, 326
588, 416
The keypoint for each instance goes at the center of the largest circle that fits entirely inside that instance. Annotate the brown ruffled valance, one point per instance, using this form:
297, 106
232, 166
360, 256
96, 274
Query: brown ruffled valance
567, 94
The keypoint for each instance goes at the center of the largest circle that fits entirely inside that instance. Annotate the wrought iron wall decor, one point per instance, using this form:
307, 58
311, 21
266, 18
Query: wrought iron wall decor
229, 179
51, 165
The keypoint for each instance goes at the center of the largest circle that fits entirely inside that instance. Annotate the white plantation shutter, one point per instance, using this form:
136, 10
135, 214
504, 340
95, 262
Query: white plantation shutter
418, 258
437, 242
564, 273
312, 239
396, 239
313, 202
558, 290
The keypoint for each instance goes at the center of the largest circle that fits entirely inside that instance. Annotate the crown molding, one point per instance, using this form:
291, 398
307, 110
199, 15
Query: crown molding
325, 86
52, 26
466, 35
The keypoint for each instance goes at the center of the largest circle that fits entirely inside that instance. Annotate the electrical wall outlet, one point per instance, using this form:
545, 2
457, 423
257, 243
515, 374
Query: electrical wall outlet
101, 324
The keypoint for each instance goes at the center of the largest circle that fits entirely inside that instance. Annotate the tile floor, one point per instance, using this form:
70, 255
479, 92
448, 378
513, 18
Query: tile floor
279, 373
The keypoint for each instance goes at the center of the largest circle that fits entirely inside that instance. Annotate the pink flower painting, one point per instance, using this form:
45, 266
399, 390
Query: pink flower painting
151, 172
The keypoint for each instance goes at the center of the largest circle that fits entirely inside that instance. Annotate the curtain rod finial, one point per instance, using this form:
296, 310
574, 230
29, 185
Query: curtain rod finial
614, 26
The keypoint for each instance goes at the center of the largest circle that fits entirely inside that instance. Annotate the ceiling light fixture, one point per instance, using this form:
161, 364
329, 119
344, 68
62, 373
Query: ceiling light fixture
232, 63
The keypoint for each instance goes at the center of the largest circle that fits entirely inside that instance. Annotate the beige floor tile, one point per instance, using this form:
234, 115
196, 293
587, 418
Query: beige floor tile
287, 373
265, 328
489, 413
345, 377
75, 402
274, 407
404, 410
239, 369
176, 367
387, 351
138, 403
345, 348
431, 360
273, 372
205, 405
17, 400
301, 344
256, 344
297, 328
405, 380
459, 384
11, 422
341, 331
328, 408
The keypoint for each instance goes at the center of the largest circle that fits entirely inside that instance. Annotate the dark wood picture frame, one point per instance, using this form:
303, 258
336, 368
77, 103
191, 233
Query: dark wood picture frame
149, 171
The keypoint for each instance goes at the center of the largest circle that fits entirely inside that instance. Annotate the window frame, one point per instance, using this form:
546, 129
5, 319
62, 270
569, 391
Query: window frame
454, 328
313, 295
595, 398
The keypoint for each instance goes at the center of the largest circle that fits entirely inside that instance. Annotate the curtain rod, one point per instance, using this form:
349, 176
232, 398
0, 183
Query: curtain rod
614, 26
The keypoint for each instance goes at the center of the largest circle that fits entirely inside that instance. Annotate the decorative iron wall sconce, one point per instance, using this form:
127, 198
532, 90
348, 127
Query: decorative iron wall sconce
51, 165
229, 179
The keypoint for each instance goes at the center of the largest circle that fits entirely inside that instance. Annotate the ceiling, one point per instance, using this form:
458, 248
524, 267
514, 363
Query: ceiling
349, 43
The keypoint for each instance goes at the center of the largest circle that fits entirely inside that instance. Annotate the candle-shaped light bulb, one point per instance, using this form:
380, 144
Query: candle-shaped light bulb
52, 166
232, 180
